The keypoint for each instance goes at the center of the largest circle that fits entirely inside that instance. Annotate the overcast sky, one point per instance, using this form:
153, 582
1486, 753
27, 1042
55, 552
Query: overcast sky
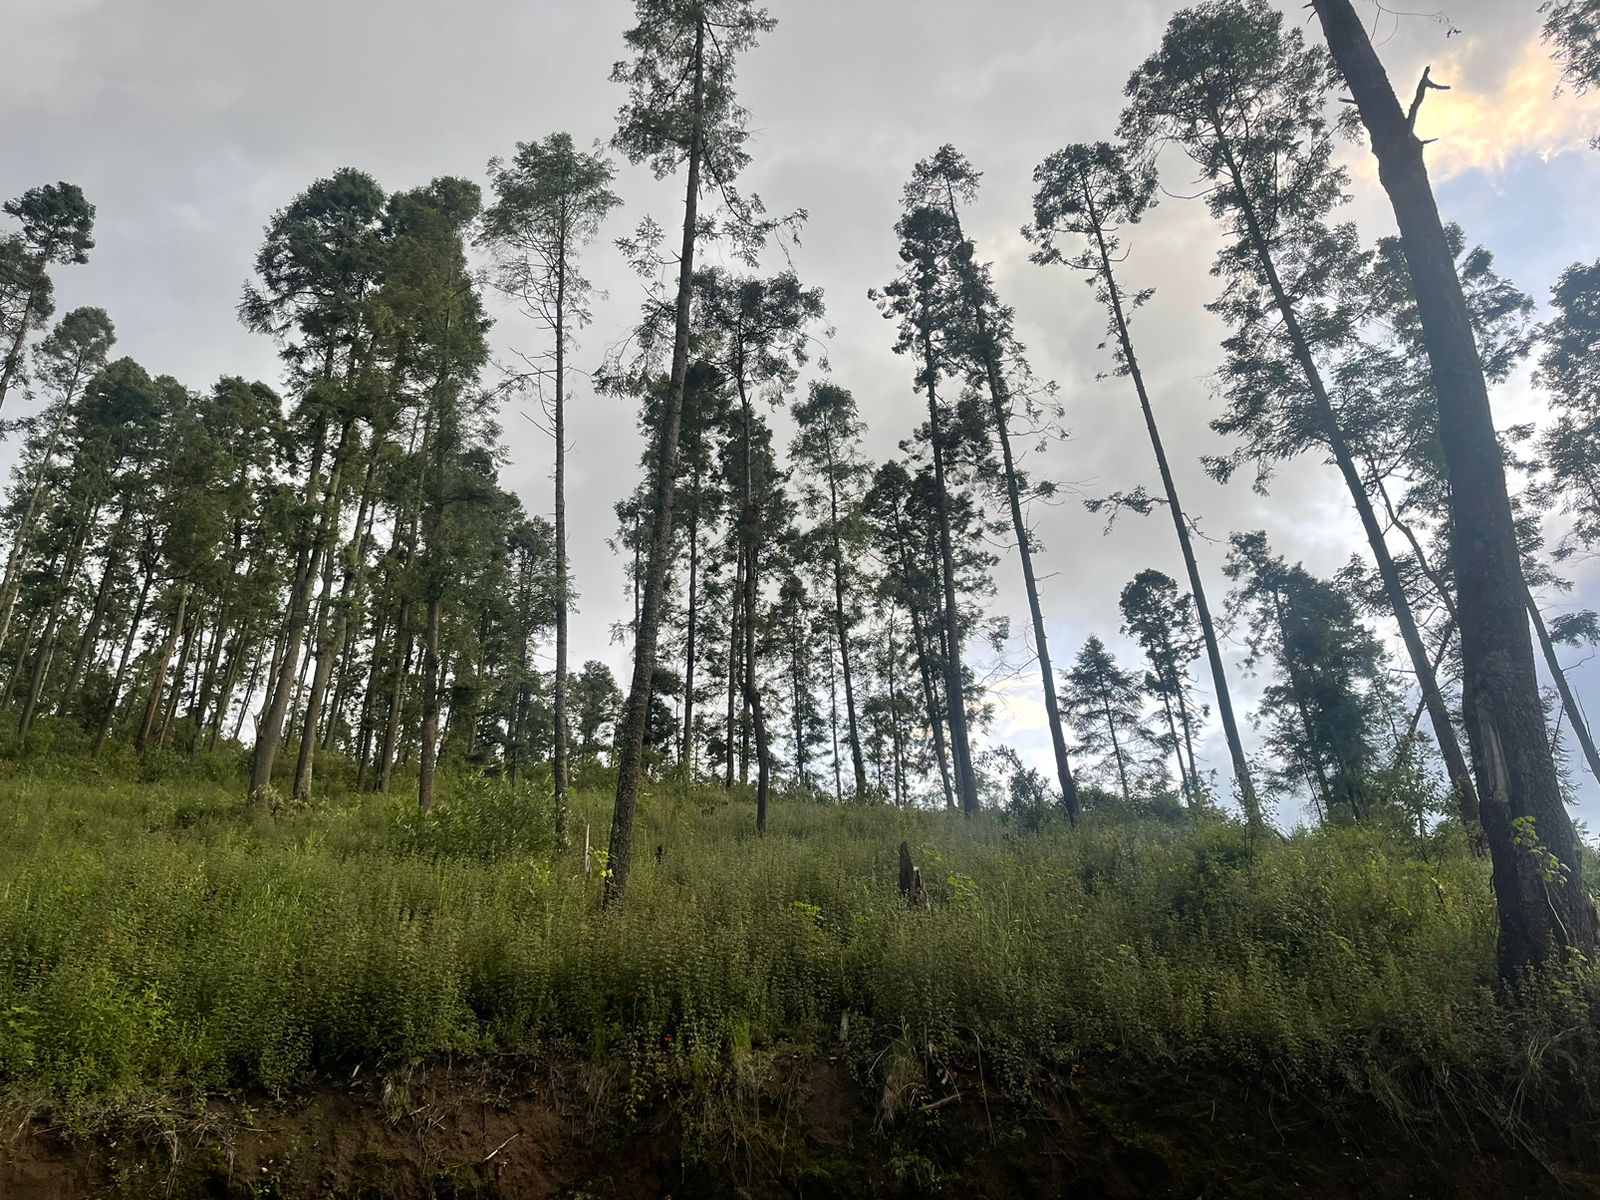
188, 122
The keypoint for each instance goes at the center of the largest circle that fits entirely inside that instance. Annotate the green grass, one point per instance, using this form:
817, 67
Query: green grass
158, 939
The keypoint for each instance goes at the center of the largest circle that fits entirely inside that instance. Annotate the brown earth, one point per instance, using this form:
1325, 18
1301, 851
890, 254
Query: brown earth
799, 1126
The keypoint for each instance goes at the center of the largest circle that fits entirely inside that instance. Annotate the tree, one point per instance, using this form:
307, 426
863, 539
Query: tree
321, 259
1327, 699
596, 701
1540, 916
921, 299
429, 287
827, 450
110, 446
1092, 191
57, 228
549, 203
1162, 621
681, 110
986, 338
755, 332
1104, 707
1569, 372
73, 353
1572, 29
1246, 100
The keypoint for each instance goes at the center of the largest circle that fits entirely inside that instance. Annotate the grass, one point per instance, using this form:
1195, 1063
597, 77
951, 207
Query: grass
158, 939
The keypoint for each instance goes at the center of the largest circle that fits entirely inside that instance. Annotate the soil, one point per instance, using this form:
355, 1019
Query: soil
803, 1126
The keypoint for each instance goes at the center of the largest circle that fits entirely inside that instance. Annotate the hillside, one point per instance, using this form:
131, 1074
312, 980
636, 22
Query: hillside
354, 995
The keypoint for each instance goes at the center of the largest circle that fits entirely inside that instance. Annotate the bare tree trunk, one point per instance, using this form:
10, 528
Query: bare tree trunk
558, 756
1116, 752
752, 691
735, 598
392, 722
842, 629
686, 736
1569, 702
230, 680
334, 622
191, 635
429, 753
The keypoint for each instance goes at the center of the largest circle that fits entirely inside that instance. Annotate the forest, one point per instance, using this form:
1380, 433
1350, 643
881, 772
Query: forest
326, 870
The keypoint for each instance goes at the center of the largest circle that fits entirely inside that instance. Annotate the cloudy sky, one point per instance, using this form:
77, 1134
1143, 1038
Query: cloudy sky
189, 121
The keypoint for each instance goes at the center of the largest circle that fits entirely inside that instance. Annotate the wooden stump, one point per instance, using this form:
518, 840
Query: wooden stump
911, 879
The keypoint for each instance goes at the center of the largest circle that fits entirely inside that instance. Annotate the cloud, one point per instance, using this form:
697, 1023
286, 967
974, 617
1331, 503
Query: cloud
1495, 114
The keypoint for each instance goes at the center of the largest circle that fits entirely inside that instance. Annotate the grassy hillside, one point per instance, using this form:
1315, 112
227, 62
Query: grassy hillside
161, 945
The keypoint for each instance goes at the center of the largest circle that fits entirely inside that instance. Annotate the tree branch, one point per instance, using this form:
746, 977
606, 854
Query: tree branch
1424, 86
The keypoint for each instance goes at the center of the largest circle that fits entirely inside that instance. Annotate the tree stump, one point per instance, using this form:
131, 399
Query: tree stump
911, 888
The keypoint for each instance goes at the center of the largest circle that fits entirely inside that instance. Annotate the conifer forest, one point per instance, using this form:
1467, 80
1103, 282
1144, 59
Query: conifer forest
994, 601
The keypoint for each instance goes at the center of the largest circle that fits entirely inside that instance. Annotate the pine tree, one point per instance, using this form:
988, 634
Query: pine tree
681, 110
1106, 712
986, 339
922, 299
550, 200
1257, 132
1162, 621
1325, 705
57, 229
1092, 191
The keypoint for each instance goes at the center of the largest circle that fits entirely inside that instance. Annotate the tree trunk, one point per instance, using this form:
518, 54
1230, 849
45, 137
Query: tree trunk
752, 691
158, 676
428, 757
1219, 679
269, 732
47, 643
636, 714
955, 698
1116, 751
191, 634
999, 400
122, 662
558, 756
841, 628
686, 736
1177, 747
929, 692
230, 680
392, 719
1569, 702
331, 634
735, 640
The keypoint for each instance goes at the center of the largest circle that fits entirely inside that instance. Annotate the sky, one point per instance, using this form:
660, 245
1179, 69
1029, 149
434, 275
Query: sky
188, 122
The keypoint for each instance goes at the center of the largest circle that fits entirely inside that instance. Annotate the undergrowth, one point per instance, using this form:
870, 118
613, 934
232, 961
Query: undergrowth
158, 937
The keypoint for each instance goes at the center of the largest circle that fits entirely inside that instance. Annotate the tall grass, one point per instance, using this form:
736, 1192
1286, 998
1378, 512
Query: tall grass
157, 936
